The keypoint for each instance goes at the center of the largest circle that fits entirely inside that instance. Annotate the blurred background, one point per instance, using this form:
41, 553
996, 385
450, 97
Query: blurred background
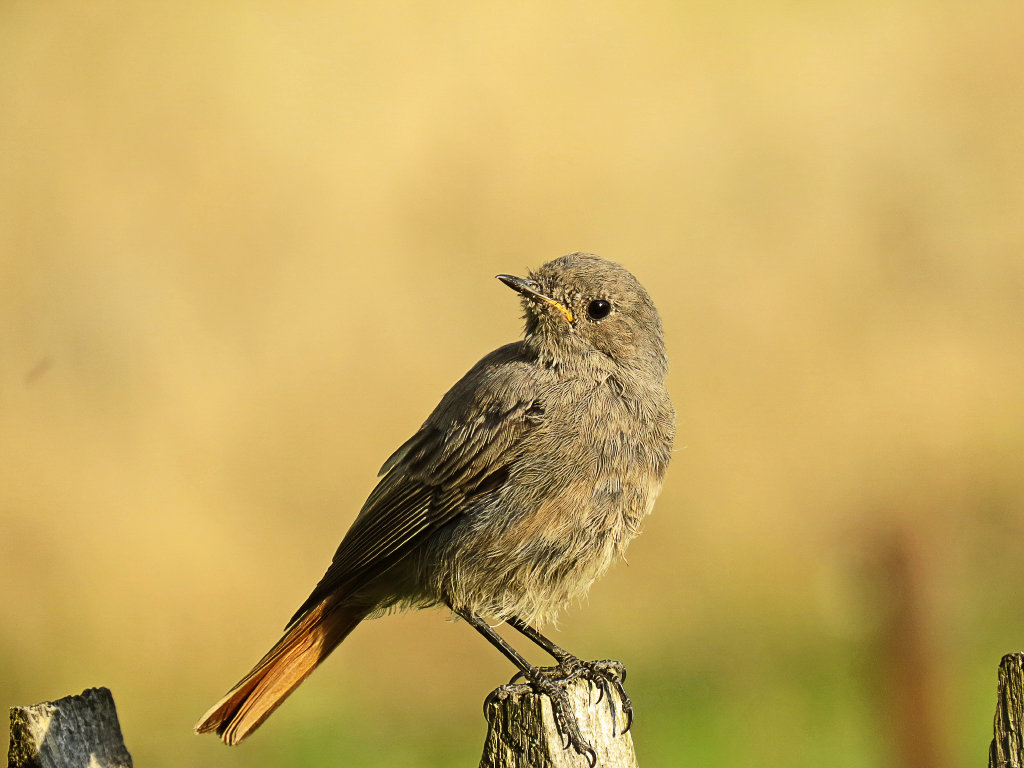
246, 246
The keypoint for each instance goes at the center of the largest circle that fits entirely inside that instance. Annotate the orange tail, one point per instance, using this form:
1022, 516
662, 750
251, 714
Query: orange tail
286, 665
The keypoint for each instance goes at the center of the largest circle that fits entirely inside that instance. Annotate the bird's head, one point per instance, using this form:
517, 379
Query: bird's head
584, 308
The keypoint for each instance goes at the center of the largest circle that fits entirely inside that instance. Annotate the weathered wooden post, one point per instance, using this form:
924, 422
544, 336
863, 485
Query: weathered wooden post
72, 732
521, 730
1007, 748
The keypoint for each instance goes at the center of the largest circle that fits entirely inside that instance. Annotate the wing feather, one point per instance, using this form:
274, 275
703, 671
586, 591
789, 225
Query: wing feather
427, 482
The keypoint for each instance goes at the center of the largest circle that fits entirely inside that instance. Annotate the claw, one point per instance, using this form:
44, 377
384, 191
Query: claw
547, 681
493, 697
629, 720
627, 706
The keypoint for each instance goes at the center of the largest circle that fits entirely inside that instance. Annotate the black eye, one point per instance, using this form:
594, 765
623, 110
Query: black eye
599, 309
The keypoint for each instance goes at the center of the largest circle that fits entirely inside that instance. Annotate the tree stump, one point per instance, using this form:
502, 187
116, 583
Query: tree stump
73, 732
521, 730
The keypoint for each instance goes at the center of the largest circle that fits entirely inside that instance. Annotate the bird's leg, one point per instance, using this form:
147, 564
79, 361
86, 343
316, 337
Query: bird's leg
565, 718
604, 672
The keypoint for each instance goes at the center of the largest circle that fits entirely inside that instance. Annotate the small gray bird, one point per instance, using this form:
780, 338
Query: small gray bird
532, 474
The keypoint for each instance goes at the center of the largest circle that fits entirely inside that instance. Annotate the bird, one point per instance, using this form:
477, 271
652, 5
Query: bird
532, 474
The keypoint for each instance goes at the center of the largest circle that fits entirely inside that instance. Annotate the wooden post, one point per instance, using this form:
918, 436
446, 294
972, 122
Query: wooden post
1007, 748
521, 730
72, 732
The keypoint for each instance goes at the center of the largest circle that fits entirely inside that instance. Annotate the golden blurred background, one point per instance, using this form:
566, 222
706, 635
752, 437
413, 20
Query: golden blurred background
246, 246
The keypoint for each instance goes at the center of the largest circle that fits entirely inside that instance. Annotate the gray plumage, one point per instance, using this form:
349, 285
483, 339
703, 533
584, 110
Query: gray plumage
532, 474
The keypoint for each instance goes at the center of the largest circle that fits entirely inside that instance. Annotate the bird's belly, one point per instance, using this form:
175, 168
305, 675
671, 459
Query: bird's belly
530, 563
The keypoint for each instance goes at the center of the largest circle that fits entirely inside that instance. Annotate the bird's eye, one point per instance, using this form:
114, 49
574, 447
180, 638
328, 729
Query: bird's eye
599, 309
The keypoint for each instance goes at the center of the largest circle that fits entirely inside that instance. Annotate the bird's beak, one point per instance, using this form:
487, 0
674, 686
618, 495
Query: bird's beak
531, 288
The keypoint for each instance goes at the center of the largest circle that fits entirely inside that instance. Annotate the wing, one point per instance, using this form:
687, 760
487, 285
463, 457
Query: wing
463, 450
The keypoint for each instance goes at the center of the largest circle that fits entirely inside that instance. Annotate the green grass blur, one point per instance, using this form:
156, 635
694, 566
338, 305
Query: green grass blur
245, 248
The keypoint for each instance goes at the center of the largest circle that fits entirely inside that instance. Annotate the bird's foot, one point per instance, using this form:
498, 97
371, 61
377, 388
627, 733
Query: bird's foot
548, 681
606, 674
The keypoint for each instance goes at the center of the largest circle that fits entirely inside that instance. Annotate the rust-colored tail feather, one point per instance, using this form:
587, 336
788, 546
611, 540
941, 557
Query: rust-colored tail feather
287, 664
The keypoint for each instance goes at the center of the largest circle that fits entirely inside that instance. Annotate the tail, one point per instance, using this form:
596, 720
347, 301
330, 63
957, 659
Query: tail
304, 645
